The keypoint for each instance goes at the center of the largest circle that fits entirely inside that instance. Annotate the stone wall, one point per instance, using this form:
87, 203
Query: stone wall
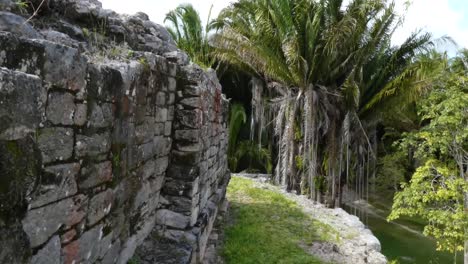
111, 143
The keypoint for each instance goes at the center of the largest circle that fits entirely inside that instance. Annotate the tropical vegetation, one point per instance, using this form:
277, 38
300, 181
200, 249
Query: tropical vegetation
335, 106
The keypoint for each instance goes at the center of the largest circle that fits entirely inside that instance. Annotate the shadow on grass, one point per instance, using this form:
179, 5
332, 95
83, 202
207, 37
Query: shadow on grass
266, 227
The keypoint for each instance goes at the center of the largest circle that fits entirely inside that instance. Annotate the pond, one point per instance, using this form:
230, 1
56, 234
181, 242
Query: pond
403, 240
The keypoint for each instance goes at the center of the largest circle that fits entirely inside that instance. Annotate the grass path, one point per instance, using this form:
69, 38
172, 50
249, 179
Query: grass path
266, 227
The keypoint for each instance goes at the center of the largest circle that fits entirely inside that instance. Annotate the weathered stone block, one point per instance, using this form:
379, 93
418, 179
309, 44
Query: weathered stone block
92, 145
179, 171
22, 102
55, 143
180, 187
95, 174
80, 116
85, 249
161, 99
42, 57
161, 165
60, 108
171, 99
191, 102
182, 204
159, 129
49, 254
186, 158
145, 152
190, 135
101, 116
168, 128
145, 132
172, 219
68, 236
40, 224
112, 254
99, 206
172, 84
57, 183
161, 115
189, 147
106, 84
162, 145
191, 119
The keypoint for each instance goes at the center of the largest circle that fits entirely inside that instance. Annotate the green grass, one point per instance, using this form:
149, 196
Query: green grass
268, 228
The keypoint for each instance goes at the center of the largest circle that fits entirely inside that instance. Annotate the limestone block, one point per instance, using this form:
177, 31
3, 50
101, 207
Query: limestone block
188, 135
58, 182
92, 145
80, 116
60, 108
85, 249
40, 224
101, 116
95, 174
49, 254
181, 187
55, 143
172, 219
99, 206
22, 103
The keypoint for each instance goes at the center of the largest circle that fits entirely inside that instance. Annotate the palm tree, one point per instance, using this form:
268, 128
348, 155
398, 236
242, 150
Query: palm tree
190, 36
315, 52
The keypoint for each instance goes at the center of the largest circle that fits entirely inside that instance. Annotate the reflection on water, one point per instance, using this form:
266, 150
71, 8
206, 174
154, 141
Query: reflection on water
402, 243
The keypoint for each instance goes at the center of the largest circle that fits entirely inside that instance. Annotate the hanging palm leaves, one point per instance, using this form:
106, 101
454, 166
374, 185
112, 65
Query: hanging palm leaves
332, 63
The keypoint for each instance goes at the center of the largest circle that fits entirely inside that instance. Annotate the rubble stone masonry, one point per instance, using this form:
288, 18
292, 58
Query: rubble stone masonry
112, 145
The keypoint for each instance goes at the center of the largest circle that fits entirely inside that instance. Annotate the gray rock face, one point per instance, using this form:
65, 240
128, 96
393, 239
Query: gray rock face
61, 108
16, 24
22, 99
59, 182
94, 127
172, 219
49, 254
92, 145
40, 224
99, 206
95, 174
85, 249
56, 144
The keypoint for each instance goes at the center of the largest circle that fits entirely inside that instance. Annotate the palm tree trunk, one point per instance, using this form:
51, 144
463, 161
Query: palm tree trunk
292, 166
465, 176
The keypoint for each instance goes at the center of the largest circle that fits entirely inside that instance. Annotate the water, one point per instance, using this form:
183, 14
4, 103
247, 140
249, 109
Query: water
403, 241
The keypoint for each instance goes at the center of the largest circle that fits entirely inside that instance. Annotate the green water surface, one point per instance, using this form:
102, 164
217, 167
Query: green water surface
398, 243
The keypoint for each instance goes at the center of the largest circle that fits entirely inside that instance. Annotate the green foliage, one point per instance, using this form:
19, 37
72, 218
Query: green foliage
189, 34
332, 59
254, 153
391, 171
238, 150
237, 118
86, 32
269, 228
133, 260
21, 5
299, 162
144, 62
435, 192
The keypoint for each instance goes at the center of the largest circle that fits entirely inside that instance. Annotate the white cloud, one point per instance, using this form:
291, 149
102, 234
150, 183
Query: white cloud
435, 16
157, 9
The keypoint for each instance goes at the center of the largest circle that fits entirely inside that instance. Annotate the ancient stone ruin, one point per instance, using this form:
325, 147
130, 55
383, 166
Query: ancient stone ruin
112, 145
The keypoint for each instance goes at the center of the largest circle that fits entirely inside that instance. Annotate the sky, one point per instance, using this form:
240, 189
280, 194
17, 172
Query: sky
439, 17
